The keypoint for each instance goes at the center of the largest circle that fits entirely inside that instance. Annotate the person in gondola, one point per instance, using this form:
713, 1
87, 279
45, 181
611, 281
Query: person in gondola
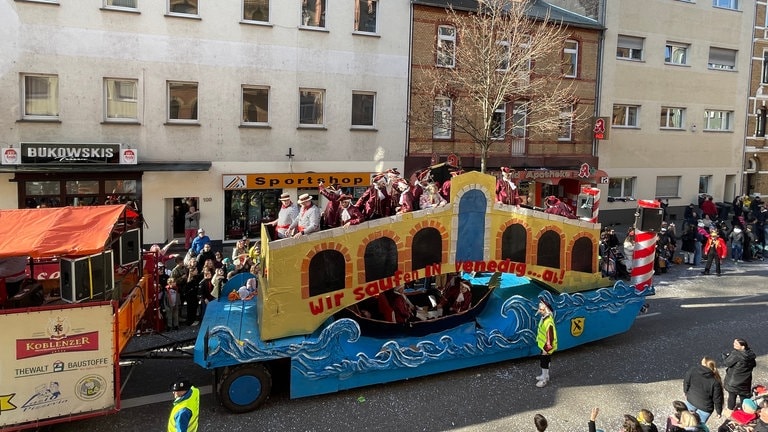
463, 300
506, 189
402, 307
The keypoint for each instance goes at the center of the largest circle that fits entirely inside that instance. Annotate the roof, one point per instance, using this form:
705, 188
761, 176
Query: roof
538, 10
60, 231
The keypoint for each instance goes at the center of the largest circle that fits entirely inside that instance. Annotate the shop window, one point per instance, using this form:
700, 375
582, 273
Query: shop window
85, 189
245, 211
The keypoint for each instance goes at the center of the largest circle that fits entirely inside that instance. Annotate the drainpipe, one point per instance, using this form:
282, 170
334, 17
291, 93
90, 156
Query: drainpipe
599, 76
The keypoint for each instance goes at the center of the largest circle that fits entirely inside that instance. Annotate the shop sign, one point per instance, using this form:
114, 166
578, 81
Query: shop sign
128, 157
585, 171
294, 180
60, 153
11, 156
601, 128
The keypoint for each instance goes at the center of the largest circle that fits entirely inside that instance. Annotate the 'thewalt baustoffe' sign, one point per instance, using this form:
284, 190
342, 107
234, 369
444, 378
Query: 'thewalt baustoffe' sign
61, 153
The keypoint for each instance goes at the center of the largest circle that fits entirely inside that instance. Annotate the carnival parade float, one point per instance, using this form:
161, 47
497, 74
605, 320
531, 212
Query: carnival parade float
324, 300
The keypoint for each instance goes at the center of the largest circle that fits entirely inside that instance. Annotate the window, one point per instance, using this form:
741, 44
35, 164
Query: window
365, 15
519, 119
255, 105
182, 102
676, 54
499, 122
764, 77
183, 7
621, 187
721, 58
718, 120
446, 46
256, 10
128, 4
443, 118
671, 118
667, 186
704, 182
363, 108
727, 4
625, 116
41, 97
121, 99
311, 107
503, 53
571, 59
629, 48
565, 130
762, 115
313, 13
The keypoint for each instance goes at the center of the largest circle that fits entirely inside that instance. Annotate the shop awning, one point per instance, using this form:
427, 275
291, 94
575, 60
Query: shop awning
142, 166
49, 232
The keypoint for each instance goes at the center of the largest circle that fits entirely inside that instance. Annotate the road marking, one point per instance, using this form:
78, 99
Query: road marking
155, 398
743, 298
648, 315
706, 305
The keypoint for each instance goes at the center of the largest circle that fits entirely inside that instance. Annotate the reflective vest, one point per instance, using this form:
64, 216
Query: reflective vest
541, 338
190, 401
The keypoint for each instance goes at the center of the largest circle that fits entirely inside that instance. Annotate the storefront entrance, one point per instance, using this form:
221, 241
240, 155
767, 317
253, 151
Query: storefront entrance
246, 210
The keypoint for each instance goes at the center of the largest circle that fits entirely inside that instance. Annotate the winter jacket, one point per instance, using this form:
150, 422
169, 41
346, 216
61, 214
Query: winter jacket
738, 375
720, 247
703, 390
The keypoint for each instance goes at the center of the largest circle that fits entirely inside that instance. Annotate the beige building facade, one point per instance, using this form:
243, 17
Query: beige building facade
223, 104
674, 80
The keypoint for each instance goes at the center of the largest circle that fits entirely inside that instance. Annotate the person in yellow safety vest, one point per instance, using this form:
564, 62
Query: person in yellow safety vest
186, 407
546, 339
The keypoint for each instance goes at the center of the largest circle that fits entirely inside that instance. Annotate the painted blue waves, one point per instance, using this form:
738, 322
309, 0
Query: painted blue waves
340, 351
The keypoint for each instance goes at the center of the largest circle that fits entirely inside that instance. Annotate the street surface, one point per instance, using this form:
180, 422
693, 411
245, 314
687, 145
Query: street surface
691, 316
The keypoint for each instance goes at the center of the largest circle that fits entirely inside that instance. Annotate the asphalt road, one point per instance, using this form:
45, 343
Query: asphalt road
691, 316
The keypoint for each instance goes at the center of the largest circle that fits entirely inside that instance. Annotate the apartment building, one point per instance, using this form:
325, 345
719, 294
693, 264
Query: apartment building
674, 80
553, 164
221, 104
755, 153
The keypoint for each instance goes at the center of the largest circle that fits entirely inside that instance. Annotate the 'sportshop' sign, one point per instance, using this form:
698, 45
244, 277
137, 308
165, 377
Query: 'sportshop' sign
294, 180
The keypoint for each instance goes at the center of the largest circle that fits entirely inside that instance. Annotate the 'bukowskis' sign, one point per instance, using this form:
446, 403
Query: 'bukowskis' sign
58, 153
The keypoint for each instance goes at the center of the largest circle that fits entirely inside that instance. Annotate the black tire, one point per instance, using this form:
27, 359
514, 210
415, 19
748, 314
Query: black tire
244, 388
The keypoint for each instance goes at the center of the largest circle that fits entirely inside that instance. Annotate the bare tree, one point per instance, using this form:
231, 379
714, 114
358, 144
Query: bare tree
502, 67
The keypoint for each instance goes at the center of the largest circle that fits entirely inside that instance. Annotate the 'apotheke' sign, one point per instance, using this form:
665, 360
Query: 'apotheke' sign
61, 153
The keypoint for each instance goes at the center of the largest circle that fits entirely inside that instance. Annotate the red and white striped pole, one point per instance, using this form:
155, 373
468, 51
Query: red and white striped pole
595, 194
645, 251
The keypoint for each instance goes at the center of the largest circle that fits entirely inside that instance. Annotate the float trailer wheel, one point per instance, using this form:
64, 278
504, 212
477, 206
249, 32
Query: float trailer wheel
245, 388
